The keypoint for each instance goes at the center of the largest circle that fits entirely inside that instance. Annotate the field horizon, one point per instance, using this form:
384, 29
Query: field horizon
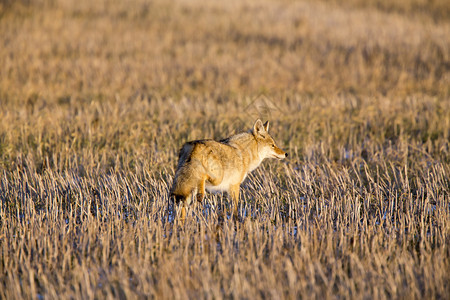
97, 97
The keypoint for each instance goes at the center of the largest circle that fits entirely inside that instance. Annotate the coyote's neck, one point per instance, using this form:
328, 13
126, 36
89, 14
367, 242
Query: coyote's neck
247, 146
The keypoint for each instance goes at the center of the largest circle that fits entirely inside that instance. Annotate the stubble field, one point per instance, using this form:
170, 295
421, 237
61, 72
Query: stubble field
96, 98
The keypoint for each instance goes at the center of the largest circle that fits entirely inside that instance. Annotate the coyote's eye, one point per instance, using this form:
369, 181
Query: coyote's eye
273, 145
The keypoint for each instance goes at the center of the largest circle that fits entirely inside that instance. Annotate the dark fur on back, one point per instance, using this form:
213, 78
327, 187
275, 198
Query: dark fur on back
225, 141
184, 152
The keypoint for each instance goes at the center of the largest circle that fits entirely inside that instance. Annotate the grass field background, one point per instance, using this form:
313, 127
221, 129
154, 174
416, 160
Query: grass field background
96, 98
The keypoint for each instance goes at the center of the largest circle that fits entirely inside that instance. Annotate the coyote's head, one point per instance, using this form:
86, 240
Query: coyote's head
266, 145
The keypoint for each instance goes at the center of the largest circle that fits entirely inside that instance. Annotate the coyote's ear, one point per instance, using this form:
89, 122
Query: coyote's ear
258, 128
266, 126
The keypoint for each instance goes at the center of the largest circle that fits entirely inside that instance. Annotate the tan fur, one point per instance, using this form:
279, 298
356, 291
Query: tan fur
221, 166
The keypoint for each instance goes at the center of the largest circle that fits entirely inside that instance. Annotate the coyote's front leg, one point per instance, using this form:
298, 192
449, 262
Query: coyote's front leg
234, 193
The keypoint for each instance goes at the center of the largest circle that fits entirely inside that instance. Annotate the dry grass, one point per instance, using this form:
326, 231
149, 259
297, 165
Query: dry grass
96, 98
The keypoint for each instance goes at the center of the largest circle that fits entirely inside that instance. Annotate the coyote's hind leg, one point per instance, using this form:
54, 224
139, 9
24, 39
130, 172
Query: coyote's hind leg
181, 212
186, 203
201, 190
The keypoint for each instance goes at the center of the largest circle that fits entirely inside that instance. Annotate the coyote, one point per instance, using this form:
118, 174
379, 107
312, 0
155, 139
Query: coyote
221, 166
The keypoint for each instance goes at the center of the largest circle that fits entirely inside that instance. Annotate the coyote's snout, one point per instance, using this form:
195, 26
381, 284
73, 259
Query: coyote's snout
222, 165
